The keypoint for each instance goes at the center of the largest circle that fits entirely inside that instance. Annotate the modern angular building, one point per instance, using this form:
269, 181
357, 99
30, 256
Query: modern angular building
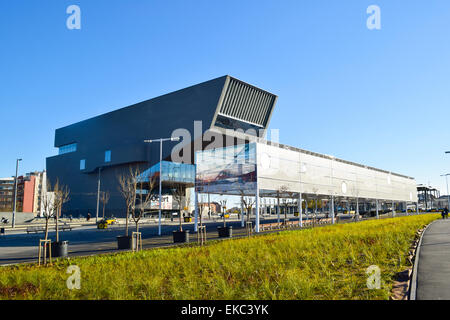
222, 125
103, 147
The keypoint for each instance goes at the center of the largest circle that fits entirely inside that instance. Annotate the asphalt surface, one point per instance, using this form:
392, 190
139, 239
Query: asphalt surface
433, 269
88, 240
19, 247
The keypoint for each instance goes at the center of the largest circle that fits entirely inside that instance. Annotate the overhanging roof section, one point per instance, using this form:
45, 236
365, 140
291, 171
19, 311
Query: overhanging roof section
244, 106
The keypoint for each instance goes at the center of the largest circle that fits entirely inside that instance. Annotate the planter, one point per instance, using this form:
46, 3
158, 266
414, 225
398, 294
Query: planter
59, 249
225, 232
181, 236
123, 242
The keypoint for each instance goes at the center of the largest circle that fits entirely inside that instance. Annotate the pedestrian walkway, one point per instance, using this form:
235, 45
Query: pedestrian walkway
433, 274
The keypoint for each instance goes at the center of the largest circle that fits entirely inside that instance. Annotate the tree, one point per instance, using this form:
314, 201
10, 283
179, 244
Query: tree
201, 206
248, 204
223, 204
61, 196
48, 206
104, 198
179, 196
127, 188
144, 197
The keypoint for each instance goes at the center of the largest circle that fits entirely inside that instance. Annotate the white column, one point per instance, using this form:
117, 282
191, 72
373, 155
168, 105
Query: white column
357, 206
196, 211
257, 209
160, 188
278, 209
242, 211
332, 209
376, 204
393, 209
300, 210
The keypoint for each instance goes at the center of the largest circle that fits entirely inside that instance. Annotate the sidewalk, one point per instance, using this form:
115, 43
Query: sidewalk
433, 274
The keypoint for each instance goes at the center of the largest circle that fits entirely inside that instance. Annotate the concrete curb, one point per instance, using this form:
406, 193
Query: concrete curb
413, 287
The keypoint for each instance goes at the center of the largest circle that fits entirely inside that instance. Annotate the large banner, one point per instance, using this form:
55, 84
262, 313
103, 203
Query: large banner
227, 170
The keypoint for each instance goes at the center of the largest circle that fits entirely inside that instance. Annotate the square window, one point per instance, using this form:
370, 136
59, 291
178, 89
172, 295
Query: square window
82, 164
108, 156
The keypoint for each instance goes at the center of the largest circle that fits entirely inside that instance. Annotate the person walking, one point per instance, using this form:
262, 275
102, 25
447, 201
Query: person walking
445, 213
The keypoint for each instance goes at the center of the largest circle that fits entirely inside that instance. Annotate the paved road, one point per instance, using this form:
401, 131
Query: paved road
433, 274
88, 240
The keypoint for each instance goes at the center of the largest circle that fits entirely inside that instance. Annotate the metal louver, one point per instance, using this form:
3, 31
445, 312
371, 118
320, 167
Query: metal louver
247, 103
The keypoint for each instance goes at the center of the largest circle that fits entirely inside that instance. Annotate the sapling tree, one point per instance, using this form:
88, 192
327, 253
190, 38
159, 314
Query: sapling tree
61, 196
179, 196
127, 188
248, 204
48, 206
223, 204
201, 208
145, 185
104, 199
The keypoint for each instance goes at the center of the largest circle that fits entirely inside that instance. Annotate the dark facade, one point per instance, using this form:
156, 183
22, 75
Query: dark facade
108, 144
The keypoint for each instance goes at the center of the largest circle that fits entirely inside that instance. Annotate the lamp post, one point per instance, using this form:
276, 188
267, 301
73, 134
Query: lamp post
448, 194
161, 140
332, 192
15, 195
98, 194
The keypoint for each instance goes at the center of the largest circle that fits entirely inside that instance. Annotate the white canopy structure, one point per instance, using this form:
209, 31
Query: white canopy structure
264, 169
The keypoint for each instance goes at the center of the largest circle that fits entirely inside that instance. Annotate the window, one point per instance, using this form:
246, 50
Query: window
82, 164
108, 156
68, 148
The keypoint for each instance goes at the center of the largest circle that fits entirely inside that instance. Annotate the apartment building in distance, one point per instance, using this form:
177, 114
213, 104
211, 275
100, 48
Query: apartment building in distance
30, 189
6, 194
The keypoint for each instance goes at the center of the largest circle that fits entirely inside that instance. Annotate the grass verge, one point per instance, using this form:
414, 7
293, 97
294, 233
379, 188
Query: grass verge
322, 263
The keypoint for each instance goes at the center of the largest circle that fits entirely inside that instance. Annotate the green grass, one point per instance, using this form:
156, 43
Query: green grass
322, 263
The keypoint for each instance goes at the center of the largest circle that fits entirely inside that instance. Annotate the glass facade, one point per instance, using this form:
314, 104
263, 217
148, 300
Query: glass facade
172, 172
68, 148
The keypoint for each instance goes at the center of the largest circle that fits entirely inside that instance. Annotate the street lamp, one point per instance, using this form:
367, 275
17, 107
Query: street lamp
98, 194
448, 194
160, 173
15, 195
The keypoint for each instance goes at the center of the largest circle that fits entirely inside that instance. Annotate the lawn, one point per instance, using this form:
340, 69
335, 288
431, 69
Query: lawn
323, 263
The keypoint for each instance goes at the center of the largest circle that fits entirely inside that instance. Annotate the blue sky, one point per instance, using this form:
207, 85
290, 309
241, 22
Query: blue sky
379, 97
